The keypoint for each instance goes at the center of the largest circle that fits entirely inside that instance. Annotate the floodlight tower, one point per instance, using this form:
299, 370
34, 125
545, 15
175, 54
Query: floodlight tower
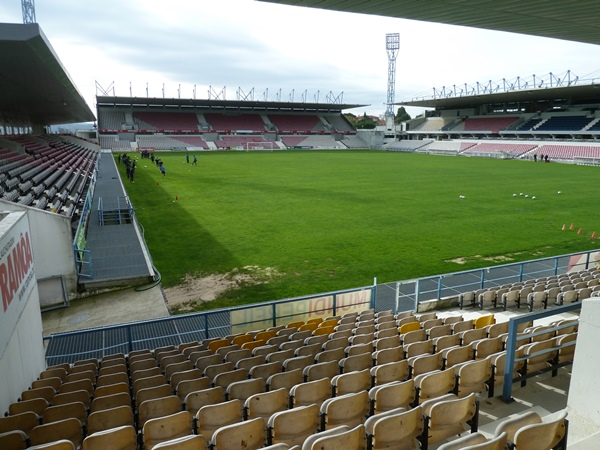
392, 45
28, 11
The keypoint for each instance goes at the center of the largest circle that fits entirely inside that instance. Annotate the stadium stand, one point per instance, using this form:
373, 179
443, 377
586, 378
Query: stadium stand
304, 124
151, 120
225, 123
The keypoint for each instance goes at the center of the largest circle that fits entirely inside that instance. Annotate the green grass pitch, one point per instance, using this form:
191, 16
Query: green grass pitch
328, 220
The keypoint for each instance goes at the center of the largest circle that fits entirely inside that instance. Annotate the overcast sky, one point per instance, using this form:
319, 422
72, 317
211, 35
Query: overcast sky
248, 44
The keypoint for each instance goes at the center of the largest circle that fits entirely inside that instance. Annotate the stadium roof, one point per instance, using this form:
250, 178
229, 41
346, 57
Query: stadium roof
35, 88
571, 95
220, 105
572, 20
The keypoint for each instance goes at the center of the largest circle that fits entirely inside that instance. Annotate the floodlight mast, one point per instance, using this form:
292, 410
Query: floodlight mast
28, 7
392, 45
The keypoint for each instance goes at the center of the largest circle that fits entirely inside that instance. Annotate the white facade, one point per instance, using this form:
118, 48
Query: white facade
21, 344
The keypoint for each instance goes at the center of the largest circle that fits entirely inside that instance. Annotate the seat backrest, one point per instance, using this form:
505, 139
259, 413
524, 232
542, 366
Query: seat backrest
457, 355
205, 361
158, 407
17, 440
224, 379
321, 370
388, 355
211, 417
69, 429
110, 418
351, 382
542, 436
354, 439
249, 363
435, 384
472, 377
285, 379
163, 390
192, 442
120, 438
164, 428
187, 374
293, 426
250, 432
397, 428
444, 342
75, 410
36, 405
349, 409
148, 382
316, 392
425, 363
513, 424
330, 355
264, 371
397, 394
110, 401
185, 387
265, 404
356, 362
241, 390
197, 399
213, 370
45, 392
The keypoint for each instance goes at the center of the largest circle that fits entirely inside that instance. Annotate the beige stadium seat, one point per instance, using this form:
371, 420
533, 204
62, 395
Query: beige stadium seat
265, 404
476, 441
348, 409
249, 435
498, 364
46, 392
112, 368
36, 405
535, 361
486, 347
411, 337
224, 379
81, 375
110, 418
421, 364
472, 376
310, 392
451, 320
145, 373
387, 342
235, 355
351, 382
293, 426
443, 342
249, 363
14, 440
461, 326
337, 342
397, 428
149, 382
359, 349
566, 353
105, 380
292, 344
439, 330
164, 390
177, 367
388, 355
466, 299
158, 407
418, 348
277, 340
321, 370
75, 410
194, 355
24, 422
497, 329
393, 395
281, 356
184, 375
166, 428
448, 416
206, 361
264, 371
241, 390
511, 425
52, 372
356, 362
318, 339
222, 351
53, 382
110, 401
212, 417
469, 336
434, 384
61, 444
335, 354
298, 362
215, 369
364, 338
456, 355
285, 380
350, 439
111, 389
192, 442
197, 399
69, 429
186, 387
143, 364
308, 350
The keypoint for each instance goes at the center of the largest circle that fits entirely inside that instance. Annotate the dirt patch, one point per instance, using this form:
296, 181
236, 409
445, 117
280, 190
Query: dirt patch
196, 290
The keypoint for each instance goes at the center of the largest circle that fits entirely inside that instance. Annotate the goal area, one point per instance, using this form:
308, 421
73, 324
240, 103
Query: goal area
264, 145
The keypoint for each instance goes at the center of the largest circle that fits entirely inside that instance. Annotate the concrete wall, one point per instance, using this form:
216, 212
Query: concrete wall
585, 377
52, 243
21, 344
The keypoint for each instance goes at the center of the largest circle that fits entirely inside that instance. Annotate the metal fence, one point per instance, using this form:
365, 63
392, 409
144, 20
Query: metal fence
396, 296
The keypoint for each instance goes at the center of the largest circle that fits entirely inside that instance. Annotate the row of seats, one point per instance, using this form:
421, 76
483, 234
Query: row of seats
556, 290
204, 375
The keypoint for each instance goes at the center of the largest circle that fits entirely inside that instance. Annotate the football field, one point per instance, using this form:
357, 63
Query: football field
316, 221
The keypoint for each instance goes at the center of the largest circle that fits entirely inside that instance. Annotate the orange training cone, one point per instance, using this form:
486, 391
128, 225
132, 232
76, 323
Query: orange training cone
564, 227
157, 183
594, 235
572, 227
176, 197
579, 231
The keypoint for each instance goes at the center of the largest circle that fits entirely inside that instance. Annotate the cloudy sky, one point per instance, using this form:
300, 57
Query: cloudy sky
245, 44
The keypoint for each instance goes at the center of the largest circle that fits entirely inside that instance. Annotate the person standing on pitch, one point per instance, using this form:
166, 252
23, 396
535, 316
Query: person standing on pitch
187, 158
163, 170
195, 161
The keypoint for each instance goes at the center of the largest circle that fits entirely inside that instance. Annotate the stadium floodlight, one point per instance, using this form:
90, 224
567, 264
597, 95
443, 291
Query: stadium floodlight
392, 45
28, 7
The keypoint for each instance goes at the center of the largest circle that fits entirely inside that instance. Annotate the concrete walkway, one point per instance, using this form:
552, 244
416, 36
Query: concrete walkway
110, 308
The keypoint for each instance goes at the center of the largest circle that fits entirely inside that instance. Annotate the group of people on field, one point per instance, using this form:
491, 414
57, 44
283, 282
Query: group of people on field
543, 158
130, 165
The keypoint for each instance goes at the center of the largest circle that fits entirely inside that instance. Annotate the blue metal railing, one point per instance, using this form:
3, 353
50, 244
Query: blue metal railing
511, 342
